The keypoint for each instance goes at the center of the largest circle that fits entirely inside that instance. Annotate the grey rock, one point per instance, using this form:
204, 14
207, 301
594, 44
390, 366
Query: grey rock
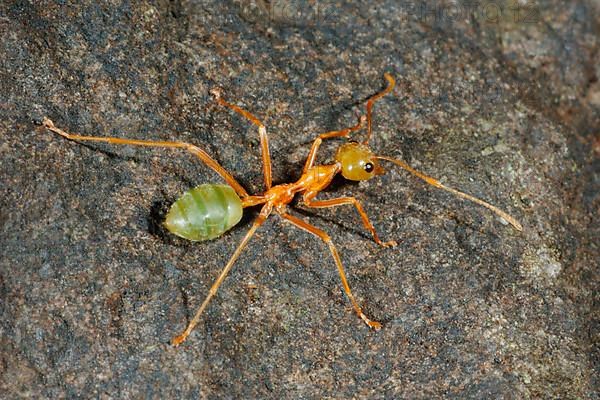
503, 106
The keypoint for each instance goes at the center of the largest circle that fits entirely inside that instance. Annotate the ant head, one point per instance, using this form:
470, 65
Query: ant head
358, 162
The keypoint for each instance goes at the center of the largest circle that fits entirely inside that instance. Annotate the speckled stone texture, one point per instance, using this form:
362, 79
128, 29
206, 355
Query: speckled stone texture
499, 99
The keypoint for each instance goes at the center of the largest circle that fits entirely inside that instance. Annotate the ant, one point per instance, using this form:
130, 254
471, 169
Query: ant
207, 211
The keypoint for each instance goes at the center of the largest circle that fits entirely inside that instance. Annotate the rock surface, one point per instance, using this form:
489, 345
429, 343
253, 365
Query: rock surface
500, 101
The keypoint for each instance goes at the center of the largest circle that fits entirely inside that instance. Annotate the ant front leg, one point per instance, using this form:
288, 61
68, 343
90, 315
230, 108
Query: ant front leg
309, 202
310, 160
373, 99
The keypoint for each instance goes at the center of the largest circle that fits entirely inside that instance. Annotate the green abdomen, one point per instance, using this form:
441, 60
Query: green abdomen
204, 212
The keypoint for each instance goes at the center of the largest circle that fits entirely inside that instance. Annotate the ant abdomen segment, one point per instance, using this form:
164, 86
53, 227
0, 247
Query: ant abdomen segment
204, 212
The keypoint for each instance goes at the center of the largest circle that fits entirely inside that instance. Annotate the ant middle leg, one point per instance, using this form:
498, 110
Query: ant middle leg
305, 226
262, 133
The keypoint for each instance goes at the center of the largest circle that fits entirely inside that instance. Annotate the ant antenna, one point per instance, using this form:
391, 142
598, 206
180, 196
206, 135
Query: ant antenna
437, 184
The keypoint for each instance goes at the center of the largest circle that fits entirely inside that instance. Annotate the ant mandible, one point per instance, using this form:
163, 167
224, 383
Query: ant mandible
207, 211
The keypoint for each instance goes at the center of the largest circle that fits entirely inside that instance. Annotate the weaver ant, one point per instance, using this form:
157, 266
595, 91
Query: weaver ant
207, 211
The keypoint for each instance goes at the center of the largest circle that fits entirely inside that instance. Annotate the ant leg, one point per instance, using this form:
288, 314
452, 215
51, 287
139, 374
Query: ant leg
305, 226
363, 215
262, 132
197, 151
310, 160
374, 98
264, 213
437, 184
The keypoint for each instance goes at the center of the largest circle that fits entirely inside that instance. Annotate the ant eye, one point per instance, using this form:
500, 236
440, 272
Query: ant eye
369, 167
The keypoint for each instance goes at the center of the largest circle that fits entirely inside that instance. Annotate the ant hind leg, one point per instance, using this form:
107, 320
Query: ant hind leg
197, 151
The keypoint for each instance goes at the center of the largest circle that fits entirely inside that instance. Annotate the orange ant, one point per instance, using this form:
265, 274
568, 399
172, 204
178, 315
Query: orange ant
207, 211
